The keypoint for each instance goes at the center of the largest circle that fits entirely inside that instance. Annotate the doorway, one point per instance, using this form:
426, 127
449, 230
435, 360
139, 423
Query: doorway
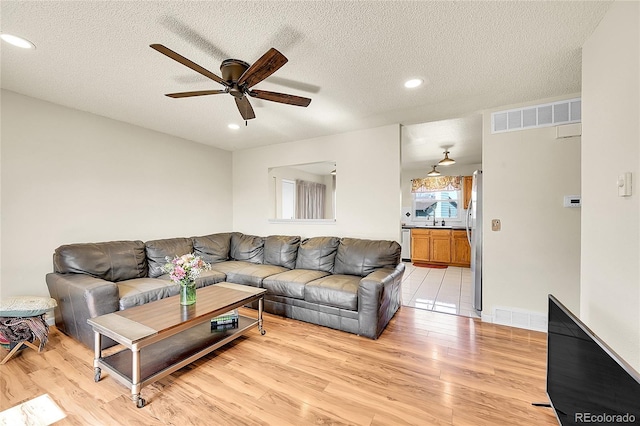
423, 146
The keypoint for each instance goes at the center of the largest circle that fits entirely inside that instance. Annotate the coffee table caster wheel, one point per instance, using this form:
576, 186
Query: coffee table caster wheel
140, 402
96, 374
263, 332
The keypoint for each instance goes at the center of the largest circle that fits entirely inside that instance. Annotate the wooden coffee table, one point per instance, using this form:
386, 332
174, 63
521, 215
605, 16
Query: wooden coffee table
163, 336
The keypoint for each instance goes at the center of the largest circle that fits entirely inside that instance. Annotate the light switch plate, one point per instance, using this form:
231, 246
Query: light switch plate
624, 185
496, 224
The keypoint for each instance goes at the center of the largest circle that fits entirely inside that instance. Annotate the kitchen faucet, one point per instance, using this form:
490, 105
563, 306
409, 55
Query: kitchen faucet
434, 219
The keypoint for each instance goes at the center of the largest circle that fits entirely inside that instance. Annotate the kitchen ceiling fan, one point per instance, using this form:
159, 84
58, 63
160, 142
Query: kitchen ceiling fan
238, 77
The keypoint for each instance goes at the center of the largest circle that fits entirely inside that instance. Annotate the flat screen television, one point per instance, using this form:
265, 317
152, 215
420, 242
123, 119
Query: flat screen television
587, 382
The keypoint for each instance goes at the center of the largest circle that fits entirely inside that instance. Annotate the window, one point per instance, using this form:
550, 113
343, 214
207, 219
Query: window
441, 204
288, 199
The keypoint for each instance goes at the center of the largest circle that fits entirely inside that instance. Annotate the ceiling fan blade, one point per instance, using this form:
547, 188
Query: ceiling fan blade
197, 93
246, 111
268, 63
184, 61
292, 84
280, 97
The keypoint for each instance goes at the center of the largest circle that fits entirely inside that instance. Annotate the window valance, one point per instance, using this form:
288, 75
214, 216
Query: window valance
436, 183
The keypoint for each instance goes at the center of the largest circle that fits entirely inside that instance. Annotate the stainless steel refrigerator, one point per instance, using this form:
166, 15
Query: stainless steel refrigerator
474, 235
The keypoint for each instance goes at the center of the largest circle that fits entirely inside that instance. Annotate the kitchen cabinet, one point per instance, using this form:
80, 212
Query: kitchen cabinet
467, 184
440, 246
460, 250
420, 244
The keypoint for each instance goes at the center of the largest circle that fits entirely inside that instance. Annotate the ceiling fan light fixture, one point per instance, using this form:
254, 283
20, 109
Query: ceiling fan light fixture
446, 161
238, 77
413, 83
17, 41
433, 172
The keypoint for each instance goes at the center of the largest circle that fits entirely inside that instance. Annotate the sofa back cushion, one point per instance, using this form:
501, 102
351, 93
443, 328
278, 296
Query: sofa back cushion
317, 253
112, 261
249, 248
158, 251
281, 250
213, 248
361, 257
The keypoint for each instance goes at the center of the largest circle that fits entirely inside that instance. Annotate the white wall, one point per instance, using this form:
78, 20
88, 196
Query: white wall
367, 184
526, 174
70, 176
610, 298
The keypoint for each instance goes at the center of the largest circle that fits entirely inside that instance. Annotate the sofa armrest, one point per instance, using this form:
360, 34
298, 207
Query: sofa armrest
79, 298
379, 297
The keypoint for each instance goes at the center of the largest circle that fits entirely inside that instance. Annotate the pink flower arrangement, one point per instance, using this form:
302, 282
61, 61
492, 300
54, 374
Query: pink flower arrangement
185, 269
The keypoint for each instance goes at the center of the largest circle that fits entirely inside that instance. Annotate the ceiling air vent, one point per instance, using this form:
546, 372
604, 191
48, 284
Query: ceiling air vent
544, 115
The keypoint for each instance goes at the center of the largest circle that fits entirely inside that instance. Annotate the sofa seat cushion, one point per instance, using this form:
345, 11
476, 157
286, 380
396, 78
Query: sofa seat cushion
340, 291
209, 278
206, 278
139, 291
253, 274
291, 283
229, 266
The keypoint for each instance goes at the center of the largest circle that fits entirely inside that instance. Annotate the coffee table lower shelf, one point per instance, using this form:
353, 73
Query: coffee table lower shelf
169, 355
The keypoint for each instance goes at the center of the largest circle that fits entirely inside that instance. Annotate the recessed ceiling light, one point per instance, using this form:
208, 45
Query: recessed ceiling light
17, 41
414, 82
233, 126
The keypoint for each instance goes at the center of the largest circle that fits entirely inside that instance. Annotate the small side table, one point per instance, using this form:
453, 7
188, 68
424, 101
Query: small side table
22, 322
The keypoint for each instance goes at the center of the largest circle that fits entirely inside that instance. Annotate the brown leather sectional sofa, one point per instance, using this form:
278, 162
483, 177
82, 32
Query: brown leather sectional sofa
344, 283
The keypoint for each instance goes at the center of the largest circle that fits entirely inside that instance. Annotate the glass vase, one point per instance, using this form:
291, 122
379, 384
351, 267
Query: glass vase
188, 293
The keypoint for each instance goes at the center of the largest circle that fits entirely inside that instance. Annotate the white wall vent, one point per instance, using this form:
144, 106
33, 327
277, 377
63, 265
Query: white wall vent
520, 318
544, 115
568, 130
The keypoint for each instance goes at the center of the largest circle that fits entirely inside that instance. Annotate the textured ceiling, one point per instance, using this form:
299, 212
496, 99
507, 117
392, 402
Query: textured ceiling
424, 144
351, 58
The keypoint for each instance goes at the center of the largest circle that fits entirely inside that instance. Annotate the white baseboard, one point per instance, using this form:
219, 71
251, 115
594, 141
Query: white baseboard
515, 317
486, 317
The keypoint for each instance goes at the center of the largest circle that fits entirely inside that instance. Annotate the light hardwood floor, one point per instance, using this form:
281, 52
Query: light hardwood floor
427, 368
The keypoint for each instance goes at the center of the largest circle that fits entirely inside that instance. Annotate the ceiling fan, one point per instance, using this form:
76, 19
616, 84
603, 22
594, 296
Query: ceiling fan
238, 77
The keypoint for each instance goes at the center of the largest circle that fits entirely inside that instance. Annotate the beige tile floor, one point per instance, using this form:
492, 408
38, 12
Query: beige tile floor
441, 290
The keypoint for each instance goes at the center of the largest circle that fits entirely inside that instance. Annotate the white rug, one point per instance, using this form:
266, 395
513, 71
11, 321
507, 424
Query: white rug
40, 411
